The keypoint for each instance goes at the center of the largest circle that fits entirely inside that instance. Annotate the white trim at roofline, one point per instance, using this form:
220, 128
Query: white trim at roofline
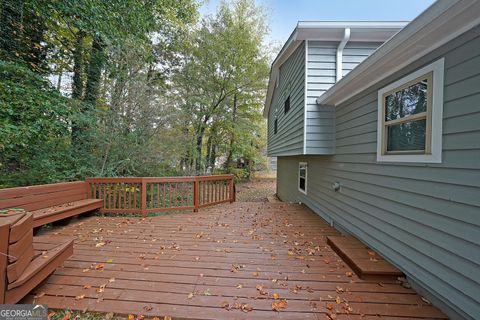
440, 23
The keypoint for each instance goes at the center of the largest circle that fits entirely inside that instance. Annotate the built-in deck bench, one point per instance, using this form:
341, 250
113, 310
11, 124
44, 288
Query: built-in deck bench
50, 202
25, 260
364, 261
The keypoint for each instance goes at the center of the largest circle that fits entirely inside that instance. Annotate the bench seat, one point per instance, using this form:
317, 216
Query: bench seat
50, 202
62, 211
42, 265
25, 261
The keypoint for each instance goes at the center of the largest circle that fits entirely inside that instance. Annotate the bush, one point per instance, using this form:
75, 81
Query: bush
34, 129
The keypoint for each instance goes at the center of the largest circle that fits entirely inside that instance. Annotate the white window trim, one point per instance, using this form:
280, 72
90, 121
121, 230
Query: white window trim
435, 156
306, 176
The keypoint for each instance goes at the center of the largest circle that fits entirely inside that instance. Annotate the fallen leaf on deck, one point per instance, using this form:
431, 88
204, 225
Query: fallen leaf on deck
41, 294
225, 305
87, 286
275, 296
80, 297
111, 280
207, 292
131, 317
246, 307
109, 261
190, 295
255, 274
332, 316
281, 305
349, 274
329, 306
86, 270
167, 318
101, 288
337, 300
239, 286
99, 266
147, 308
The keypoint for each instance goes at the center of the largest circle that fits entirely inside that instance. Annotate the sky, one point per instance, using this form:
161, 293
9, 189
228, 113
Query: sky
284, 14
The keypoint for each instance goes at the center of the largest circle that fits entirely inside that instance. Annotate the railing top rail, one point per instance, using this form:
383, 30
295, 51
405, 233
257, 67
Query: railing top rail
157, 179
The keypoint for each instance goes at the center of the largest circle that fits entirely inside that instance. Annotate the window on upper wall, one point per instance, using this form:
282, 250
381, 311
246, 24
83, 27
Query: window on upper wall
275, 126
302, 177
286, 105
410, 117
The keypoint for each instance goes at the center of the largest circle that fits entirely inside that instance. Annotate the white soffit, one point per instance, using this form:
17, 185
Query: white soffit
440, 23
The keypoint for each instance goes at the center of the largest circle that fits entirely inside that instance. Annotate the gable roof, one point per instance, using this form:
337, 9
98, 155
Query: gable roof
440, 23
374, 31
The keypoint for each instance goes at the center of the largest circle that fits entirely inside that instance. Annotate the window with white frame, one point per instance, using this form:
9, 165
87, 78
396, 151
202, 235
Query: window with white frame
410, 117
302, 177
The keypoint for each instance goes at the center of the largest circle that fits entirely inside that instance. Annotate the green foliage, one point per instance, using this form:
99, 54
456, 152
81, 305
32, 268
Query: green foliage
34, 128
151, 92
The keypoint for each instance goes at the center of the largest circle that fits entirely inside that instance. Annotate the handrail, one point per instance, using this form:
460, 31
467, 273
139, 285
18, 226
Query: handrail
154, 194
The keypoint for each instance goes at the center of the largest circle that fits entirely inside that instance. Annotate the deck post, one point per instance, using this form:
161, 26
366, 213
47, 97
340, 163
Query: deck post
89, 188
232, 190
196, 194
143, 203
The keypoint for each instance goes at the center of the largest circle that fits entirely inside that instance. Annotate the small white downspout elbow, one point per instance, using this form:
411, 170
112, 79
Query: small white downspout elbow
341, 46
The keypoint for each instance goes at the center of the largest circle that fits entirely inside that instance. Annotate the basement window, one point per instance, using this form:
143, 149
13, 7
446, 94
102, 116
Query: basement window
286, 105
410, 117
302, 177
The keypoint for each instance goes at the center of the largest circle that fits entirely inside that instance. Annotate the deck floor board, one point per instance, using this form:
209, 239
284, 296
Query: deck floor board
188, 265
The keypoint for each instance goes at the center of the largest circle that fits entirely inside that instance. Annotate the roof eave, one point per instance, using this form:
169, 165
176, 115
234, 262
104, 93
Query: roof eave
440, 23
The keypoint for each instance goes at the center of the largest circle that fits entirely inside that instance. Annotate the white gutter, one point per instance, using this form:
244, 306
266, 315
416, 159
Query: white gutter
341, 46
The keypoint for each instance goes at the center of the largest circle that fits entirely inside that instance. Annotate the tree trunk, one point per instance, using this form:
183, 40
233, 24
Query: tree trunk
77, 84
199, 144
232, 135
95, 67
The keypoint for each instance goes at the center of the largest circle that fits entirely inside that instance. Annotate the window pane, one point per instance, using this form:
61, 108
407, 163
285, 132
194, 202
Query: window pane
303, 172
408, 101
302, 184
409, 136
287, 105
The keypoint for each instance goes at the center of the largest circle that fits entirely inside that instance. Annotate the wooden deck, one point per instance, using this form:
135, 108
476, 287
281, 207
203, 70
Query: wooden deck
227, 262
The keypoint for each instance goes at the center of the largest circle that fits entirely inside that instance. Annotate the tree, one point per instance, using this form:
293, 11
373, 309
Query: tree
224, 67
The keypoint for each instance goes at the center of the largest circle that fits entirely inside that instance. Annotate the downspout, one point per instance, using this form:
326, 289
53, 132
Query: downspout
341, 46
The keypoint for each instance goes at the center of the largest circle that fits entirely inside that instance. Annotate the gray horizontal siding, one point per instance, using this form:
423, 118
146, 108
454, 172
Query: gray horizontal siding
424, 218
289, 138
356, 52
320, 121
321, 66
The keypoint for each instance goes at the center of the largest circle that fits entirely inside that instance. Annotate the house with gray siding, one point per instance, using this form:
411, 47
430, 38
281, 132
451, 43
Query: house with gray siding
376, 128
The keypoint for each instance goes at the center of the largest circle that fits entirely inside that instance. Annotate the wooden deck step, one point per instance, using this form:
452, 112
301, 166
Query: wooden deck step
365, 262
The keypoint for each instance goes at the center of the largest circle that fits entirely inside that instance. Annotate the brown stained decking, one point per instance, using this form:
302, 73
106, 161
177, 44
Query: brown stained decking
189, 265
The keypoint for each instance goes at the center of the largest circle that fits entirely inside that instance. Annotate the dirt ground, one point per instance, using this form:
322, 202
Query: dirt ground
261, 186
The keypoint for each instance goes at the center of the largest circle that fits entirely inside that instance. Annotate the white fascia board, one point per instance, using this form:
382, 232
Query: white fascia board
440, 23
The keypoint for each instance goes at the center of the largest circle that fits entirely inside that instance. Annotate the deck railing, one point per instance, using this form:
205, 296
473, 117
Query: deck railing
151, 194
